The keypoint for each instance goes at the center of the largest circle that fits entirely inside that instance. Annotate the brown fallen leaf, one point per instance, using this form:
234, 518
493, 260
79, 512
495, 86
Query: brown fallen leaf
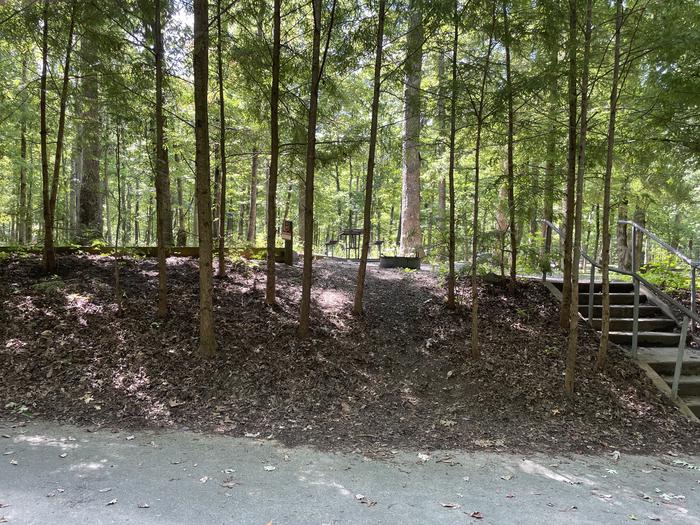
476, 515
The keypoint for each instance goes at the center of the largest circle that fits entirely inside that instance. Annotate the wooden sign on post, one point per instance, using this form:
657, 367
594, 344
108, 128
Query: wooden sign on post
287, 230
287, 234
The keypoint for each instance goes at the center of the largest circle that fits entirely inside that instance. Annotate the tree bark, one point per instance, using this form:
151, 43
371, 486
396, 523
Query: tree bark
162, 178
90, 211
274, 156
367, 214
105, 192
550, 162
222, 142
411, 239
49, 192
316, 71
207, 340
475, 351
571, 166
509, 167
22, 211
451, 170
117, 256
602, 356
181, 230
253, 206
578, 211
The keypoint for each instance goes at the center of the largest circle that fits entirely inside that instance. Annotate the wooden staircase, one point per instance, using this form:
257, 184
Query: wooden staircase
658, 335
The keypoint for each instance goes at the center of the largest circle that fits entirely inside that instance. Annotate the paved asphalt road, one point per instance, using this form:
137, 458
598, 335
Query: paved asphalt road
55, 474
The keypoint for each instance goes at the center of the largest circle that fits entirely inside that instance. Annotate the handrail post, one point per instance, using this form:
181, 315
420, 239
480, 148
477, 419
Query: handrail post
591, 295
635, 318
547, 248
634, 247
679, 357
693, 293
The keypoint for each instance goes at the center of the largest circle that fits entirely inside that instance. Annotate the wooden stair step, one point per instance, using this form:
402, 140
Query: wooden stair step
688, 385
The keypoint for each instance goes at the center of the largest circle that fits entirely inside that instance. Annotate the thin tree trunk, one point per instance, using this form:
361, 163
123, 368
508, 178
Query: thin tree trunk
602, 356
207, 340
571, 166
451, 171
105, 192
509, 168
222, 143
475, 351
253, 207
411, 238
550, 162
21, 220
162, 193
181, 231
274, 157
316, 71
578, 211
367, 215
49, 193
117, 255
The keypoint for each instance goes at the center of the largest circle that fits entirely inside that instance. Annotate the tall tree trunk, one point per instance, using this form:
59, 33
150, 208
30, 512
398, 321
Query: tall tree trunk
49, 192
411, 239
117, 255
475, 351
105, 192
253, 207
316, 71
274, 156
22, 211
90, 211
137, 229
181, 229
367, 214
572, 47
578, 211
451, 170
602, 356
550, 162
207, 340
509, 168
162, 178
222, 142
442, 120
29, 219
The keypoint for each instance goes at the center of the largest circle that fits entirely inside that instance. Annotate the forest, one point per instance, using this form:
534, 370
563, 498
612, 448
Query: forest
442, 130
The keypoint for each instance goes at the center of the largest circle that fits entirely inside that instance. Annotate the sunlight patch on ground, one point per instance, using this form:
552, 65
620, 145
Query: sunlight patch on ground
333, 299
535, 469
86, 466
46, 441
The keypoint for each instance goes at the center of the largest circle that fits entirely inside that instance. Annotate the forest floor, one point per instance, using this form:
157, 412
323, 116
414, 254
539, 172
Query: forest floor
398, 378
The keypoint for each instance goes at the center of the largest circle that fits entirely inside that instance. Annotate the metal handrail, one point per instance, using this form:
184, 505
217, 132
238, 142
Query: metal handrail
675, 303
664, 244
688, 314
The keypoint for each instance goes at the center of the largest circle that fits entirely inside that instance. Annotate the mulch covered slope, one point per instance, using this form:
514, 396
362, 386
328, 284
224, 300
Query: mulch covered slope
399, 377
